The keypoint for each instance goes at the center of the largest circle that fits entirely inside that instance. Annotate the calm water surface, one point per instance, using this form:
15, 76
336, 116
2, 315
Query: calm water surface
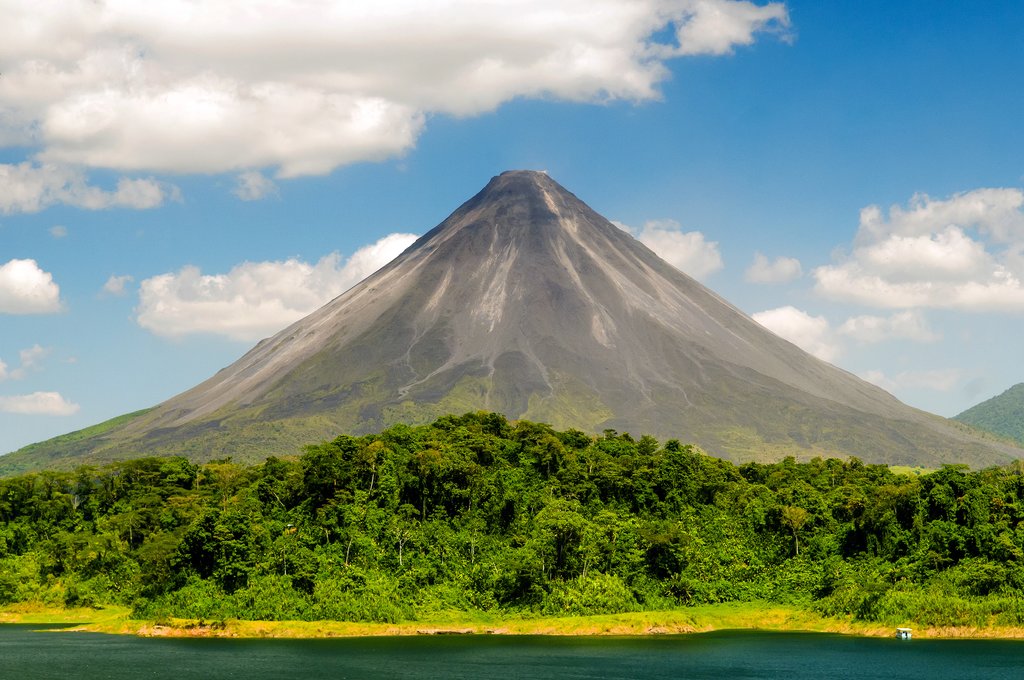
30, 655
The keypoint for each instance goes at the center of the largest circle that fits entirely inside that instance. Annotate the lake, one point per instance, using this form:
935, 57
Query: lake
26, 654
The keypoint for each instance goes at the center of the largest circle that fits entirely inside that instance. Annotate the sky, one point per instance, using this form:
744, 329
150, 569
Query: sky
179, 179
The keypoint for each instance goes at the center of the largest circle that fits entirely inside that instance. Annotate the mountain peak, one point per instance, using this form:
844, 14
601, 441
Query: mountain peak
525, 187
519, 184
531, 175
518, 211
523, 179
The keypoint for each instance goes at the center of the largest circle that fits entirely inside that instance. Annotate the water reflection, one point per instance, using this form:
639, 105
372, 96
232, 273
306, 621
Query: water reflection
26, 653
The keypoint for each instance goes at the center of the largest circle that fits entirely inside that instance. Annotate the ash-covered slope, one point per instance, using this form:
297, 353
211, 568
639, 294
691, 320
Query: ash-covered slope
527, 302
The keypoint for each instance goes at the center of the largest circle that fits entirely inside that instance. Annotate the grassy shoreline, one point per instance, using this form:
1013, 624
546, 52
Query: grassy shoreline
701, 619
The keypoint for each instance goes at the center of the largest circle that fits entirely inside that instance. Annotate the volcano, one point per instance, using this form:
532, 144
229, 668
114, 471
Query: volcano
527, 302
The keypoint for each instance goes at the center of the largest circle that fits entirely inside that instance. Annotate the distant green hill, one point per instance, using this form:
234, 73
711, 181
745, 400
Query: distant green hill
1002, 415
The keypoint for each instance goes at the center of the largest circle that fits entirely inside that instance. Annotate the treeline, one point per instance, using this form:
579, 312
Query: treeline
473, 513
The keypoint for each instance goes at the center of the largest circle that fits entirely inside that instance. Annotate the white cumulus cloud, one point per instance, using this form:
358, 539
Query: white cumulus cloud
29, 359
117, 285
304, 86
38, 404
30, 187
995, 212
255, 299
27, 289
938, 380
908, 325
688, 251
779, 270
716, 27
813, 334
965, 252
254, 185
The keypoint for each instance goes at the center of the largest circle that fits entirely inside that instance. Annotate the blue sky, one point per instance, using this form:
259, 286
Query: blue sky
178, 180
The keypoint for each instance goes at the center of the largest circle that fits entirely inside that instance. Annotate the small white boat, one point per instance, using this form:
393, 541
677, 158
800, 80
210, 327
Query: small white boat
903, 633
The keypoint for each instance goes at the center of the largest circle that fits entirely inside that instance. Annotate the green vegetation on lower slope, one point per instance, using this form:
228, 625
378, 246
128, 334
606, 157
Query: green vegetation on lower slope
64, 451
253, 434
1002, 415
473, 516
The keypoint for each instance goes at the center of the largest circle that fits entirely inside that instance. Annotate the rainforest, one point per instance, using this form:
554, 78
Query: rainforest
475, 513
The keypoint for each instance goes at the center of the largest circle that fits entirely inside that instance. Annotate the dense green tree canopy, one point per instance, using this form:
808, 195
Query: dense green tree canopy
476, 513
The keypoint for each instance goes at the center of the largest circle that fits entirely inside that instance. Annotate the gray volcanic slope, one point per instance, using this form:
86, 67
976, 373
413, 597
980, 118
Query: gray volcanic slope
527, 302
